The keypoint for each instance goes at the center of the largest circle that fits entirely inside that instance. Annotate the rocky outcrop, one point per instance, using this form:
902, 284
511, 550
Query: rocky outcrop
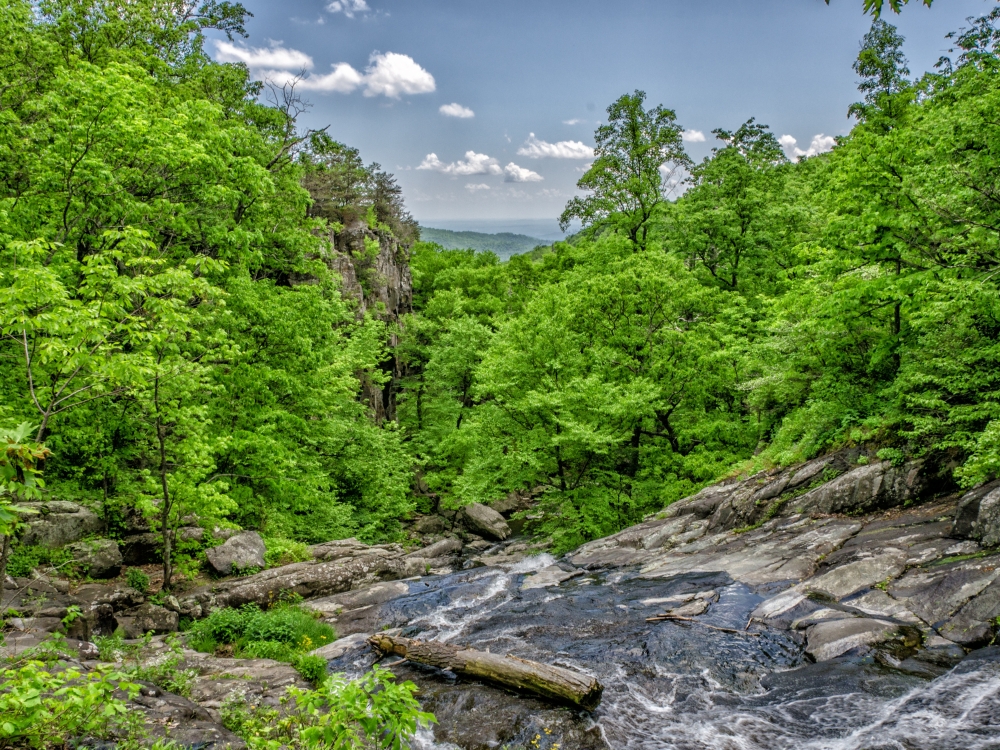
239, 553
827, 485
57, 523
485, 521
978, 515
97, 558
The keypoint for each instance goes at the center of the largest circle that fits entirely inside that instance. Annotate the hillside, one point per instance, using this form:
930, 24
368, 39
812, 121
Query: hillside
504, 244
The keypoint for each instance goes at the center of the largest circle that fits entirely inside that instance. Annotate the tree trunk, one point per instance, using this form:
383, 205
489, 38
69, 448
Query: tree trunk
161, 437
6, 546
553, 683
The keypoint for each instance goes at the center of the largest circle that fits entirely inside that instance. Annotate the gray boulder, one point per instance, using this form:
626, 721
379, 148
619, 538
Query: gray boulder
239, 553
97, 558
438, 549
877, 486
148, 618
142, 549
57, 523
978, 515
485, 521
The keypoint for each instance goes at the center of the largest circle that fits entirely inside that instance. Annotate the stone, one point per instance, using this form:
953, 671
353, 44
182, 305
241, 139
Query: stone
148, 618
438, 549
57, 523
430, 525
97, 558
237, 554
865, 489
341, 646
142, 549
691, 609
975, 624
224, 533
858, 575
306, 579
379, 593
191, 534
352, 548
485, 521
967, 523
832, 638
551, 575
936, 593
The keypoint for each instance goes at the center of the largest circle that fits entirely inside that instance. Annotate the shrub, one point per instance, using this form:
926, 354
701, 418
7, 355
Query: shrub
43, 709
25, 558
285, 633
285, 551
373, 712
137, 579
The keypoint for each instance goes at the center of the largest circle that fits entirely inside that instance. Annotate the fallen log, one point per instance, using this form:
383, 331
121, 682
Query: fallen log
680, 618
554, 683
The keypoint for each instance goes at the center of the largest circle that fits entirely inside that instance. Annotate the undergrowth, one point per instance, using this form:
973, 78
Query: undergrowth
285, 633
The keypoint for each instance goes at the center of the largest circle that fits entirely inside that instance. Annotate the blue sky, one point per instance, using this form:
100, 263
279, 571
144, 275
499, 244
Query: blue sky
486, 110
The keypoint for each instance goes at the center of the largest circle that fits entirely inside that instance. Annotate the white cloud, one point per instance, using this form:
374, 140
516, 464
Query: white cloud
343, 79
693, 136
574, 121
456, 110
273, 57
474, 164
473, 188
348, 7
534, 148
514, 173
388, 74
820, 144
392, 74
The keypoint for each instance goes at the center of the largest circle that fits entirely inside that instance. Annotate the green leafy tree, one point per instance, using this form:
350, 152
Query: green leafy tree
21, 464
639, 154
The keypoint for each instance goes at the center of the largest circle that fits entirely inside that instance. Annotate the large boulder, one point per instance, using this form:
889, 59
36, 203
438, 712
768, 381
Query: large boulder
978, 515
57, 523
485, 521
97, 558
307, 579
237, 554
148, 618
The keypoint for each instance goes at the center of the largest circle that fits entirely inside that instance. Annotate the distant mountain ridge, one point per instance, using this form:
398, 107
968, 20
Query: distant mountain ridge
504, 244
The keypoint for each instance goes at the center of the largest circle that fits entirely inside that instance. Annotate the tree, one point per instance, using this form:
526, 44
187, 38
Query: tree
734, 221
875, 6
637, 155
882, 67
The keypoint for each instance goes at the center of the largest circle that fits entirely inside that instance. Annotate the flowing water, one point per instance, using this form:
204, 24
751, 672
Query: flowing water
674, 685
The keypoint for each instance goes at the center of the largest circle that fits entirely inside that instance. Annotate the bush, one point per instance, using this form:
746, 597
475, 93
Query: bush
373, 712
43, 709
285, 552
137, 579
286, 633
25, 558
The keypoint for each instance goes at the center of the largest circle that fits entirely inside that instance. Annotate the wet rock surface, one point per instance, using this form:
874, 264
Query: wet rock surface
864, 631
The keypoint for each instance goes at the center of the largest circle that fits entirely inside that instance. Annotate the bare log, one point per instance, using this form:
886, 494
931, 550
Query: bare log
554, 683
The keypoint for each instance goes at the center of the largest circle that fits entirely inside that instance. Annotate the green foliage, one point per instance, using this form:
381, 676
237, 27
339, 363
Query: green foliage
625, 181
373, 712
285, 633
153, 216
137, 579
285, 552
42, 708
775, 311
26, 558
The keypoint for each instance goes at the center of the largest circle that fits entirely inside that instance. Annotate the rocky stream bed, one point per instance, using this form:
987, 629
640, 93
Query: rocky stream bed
859, 608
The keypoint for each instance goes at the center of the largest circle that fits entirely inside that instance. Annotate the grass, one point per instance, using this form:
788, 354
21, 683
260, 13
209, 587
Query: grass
285, 633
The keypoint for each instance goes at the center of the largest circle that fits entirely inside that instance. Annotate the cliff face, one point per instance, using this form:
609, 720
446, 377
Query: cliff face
381, 284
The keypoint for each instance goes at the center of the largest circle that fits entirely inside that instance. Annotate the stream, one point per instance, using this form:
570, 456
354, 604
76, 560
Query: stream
670, 684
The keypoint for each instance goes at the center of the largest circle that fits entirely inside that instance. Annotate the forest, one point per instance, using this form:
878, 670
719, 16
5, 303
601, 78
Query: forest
178, 338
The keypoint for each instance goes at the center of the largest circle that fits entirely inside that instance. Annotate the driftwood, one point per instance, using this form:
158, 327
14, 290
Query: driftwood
554, 683
675, 618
